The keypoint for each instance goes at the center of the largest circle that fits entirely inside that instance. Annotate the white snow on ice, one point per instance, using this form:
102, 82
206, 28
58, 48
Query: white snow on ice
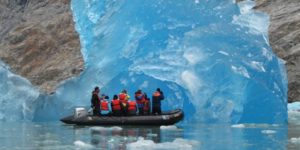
268, 131
114, 128
178, 143
83, 145
295, 140
238, 126
172, 127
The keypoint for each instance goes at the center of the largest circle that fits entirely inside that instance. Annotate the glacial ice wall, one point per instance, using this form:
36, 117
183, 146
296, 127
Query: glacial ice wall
210, 57
17, 96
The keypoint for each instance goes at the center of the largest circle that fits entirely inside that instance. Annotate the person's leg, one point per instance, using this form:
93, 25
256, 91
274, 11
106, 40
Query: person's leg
159, 110
126, 109
146, 112
154, 110
123, 108
118, 113
141, 112
132, 113
95, 112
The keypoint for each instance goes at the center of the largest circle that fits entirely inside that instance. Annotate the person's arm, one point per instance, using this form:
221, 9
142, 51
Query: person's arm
127, 97
162, 97
93, 101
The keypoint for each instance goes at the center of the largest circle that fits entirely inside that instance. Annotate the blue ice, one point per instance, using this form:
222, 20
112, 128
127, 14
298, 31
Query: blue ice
211, 58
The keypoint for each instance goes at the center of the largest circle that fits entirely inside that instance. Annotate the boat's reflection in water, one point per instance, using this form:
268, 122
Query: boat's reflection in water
117, 138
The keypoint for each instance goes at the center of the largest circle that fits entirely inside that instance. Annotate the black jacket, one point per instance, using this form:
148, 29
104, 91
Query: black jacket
95, 101
156, 100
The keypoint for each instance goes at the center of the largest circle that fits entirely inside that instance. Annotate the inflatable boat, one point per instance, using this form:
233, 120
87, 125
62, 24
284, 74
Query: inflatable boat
82, 117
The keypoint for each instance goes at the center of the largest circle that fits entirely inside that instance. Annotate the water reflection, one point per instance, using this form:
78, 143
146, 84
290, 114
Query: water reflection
293, 132
245, 137
210, 136
117, 138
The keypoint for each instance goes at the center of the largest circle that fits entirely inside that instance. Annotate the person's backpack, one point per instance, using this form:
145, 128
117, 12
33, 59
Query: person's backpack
139, 97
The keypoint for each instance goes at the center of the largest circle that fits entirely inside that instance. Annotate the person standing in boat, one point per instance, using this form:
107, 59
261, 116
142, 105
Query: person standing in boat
95, 102
147, 105
116, 106
157, 97
140, 100
123, 97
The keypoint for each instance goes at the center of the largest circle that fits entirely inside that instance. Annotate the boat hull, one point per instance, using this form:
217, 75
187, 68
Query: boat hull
166, 118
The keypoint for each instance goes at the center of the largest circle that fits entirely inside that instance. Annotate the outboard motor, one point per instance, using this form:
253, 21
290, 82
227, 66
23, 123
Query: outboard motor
80, 112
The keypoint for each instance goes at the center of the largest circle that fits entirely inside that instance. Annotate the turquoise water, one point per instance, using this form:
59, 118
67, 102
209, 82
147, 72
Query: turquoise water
56, 135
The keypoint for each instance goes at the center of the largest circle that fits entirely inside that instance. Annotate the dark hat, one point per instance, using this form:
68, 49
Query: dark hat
97, 88
115, 96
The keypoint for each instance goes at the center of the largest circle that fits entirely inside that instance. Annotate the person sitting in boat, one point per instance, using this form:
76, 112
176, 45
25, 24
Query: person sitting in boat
104, 105
123, 97
95, 101
157, 97
131, 108
146, 107
140, 99
116, 106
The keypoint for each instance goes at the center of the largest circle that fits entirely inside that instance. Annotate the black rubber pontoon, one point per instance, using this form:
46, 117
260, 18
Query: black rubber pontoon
166, 118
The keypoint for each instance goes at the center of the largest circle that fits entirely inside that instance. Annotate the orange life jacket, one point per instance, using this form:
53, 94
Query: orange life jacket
116, 104
146, 106
104, 105
156, 94
132, 106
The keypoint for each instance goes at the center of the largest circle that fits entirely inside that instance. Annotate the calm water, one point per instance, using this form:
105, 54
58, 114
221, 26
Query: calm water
56, 135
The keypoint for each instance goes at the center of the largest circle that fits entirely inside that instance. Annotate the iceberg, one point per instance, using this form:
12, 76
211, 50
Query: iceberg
211, 58
17, 96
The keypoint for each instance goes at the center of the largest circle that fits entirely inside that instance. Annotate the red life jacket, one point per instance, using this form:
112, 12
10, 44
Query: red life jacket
104, 105
116, 104
146, 106
123, 101
132, 106
122, 96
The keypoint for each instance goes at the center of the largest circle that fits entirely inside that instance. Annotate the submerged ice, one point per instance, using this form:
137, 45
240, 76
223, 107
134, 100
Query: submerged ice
211, 58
